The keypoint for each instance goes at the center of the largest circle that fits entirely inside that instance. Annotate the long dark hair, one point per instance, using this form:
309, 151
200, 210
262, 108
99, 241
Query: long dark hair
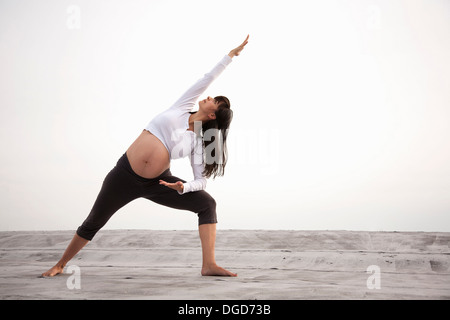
215, 140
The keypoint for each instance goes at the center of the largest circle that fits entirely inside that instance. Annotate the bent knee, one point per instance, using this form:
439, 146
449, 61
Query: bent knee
208, 214
211, 203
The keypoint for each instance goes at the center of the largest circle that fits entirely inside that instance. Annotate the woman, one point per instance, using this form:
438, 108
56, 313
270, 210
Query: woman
144, 170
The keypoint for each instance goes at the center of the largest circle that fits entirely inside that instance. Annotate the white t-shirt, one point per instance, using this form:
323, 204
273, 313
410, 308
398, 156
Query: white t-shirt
171, 127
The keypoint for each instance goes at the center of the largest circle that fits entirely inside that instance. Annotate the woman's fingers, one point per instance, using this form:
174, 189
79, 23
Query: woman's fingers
164, 183
244, 43
176, 186
241, 47
246, 40
237, 50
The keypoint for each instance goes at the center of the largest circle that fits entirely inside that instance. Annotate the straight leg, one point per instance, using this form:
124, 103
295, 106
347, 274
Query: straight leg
118, 189
208, 239
74, 247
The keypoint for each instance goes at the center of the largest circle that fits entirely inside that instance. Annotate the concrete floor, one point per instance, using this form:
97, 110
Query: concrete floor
273, 265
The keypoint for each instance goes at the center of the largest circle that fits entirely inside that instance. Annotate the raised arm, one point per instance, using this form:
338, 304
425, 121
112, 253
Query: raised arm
199, 182
188, 99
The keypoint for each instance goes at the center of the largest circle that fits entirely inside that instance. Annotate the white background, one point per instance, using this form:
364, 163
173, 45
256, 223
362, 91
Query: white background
341, 109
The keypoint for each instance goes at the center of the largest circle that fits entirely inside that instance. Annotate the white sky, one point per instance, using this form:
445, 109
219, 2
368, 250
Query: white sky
341, 109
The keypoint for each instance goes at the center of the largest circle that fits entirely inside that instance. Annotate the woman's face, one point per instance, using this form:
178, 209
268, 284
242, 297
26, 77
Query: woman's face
208, 105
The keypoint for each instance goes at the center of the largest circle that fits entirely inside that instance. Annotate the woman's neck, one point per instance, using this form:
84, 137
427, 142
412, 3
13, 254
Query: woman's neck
197, 116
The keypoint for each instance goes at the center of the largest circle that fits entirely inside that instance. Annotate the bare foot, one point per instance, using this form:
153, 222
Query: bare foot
53, 271
215, 270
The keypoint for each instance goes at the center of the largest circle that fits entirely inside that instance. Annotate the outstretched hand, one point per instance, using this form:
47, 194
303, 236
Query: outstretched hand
237, 51
178, 186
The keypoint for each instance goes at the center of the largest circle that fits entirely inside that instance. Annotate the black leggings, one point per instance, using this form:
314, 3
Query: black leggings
122, 185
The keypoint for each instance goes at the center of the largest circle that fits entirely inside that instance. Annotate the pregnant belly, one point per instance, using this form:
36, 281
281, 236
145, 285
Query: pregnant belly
148, 156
